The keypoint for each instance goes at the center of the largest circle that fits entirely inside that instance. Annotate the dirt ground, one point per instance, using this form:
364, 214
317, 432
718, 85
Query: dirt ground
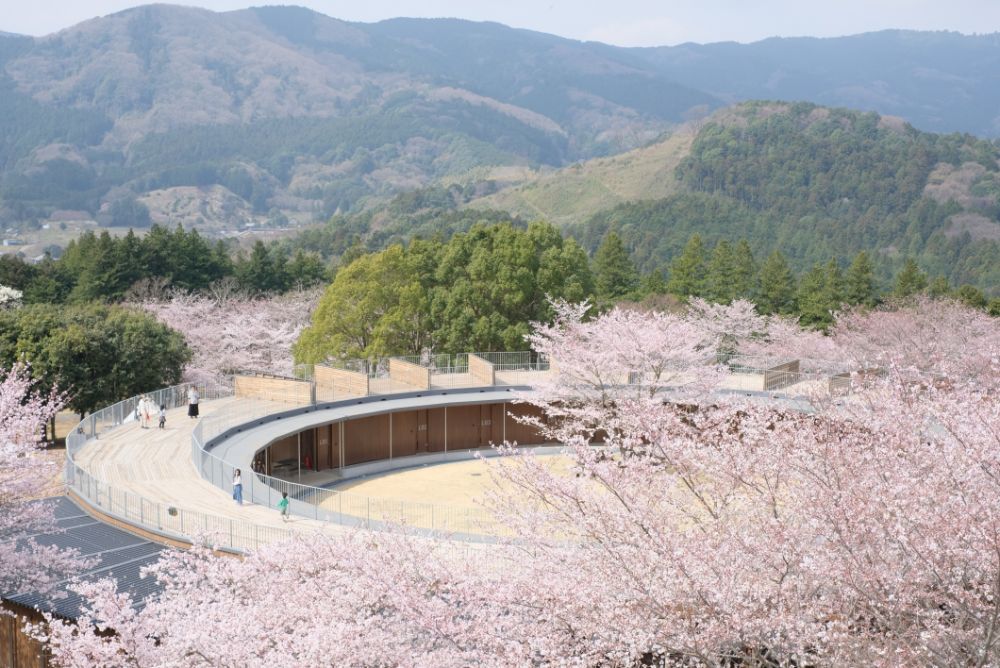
452, 484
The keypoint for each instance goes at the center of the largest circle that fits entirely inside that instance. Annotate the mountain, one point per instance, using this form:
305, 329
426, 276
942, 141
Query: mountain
176, 114
937, 81
811, 181
289, 109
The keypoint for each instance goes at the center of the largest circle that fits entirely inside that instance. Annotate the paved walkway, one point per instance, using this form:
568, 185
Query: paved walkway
156, 464
153, 469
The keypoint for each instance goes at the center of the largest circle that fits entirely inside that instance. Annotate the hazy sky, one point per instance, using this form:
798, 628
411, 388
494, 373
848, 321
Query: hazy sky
622, 22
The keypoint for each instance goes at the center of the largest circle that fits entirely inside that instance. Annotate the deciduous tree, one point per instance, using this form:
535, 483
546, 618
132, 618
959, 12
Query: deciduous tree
26, 565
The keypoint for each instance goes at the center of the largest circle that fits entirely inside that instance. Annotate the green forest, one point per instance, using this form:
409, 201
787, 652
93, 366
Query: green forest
817, 183
480, 289
103, 268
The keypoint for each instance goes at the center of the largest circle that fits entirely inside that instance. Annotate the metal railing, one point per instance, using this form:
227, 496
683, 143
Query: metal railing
329, 505
170, 521
163, 518
525, 360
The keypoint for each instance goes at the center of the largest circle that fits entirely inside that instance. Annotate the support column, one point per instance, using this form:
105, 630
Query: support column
505, 422
298, 442
446, 428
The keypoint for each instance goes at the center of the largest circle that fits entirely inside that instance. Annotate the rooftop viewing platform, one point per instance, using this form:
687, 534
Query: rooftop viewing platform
307, 436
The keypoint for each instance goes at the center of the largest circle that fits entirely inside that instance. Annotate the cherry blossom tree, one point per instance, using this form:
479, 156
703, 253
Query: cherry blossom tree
705, 530
858, 534
10, 297
24, 564
935, 336
365, 599
233, 332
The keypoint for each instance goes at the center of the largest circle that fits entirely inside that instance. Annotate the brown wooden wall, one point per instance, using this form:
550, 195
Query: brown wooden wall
286, 448
366, 439
17, 649
435, 430
520, 433
405, 433
409, 433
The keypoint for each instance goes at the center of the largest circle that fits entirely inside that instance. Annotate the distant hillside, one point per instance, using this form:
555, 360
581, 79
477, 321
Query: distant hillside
937, 81
575, 193
299, 113
811, 181
276, 113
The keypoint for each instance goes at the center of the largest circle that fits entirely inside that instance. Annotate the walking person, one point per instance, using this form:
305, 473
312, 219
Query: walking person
145, 408
163, 416
238, 487
283, 506
193, 402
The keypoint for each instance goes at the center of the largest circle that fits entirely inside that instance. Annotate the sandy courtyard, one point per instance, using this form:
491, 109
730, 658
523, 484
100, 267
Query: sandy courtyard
452, 484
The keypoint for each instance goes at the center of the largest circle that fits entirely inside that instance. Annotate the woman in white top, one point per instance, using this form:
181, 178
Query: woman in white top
193, 402
145, 411
238, 487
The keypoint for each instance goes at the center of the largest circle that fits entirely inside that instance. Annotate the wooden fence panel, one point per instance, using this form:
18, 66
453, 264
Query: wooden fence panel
270, 388
408, 373
481, 370
334, 383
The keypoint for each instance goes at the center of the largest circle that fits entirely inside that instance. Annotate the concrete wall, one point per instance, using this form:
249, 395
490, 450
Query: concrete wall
781, 376
407, 373
481, 370
273, 389
334, 383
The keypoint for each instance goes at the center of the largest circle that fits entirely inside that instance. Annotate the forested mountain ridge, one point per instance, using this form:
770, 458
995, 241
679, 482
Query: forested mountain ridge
937, 80
811, 181
294, 111
259, 114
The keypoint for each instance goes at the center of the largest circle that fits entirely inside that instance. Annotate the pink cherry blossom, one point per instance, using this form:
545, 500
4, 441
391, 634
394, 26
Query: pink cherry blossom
703, 530
24, 565
232, 333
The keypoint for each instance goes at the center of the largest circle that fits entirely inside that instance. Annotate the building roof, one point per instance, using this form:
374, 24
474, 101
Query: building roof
119, 555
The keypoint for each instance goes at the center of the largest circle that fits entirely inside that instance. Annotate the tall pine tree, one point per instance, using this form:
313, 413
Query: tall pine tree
812, 298
614, 273
687, 271
910, 280
720, 279
777, 285
859, 284
744, 272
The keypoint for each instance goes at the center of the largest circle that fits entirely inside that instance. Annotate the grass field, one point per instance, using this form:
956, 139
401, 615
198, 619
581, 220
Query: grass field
574, 193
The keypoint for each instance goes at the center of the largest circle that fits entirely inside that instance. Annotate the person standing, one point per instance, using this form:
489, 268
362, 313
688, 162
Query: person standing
145, 408
283, 506
193, 402
163, 416
238, 487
